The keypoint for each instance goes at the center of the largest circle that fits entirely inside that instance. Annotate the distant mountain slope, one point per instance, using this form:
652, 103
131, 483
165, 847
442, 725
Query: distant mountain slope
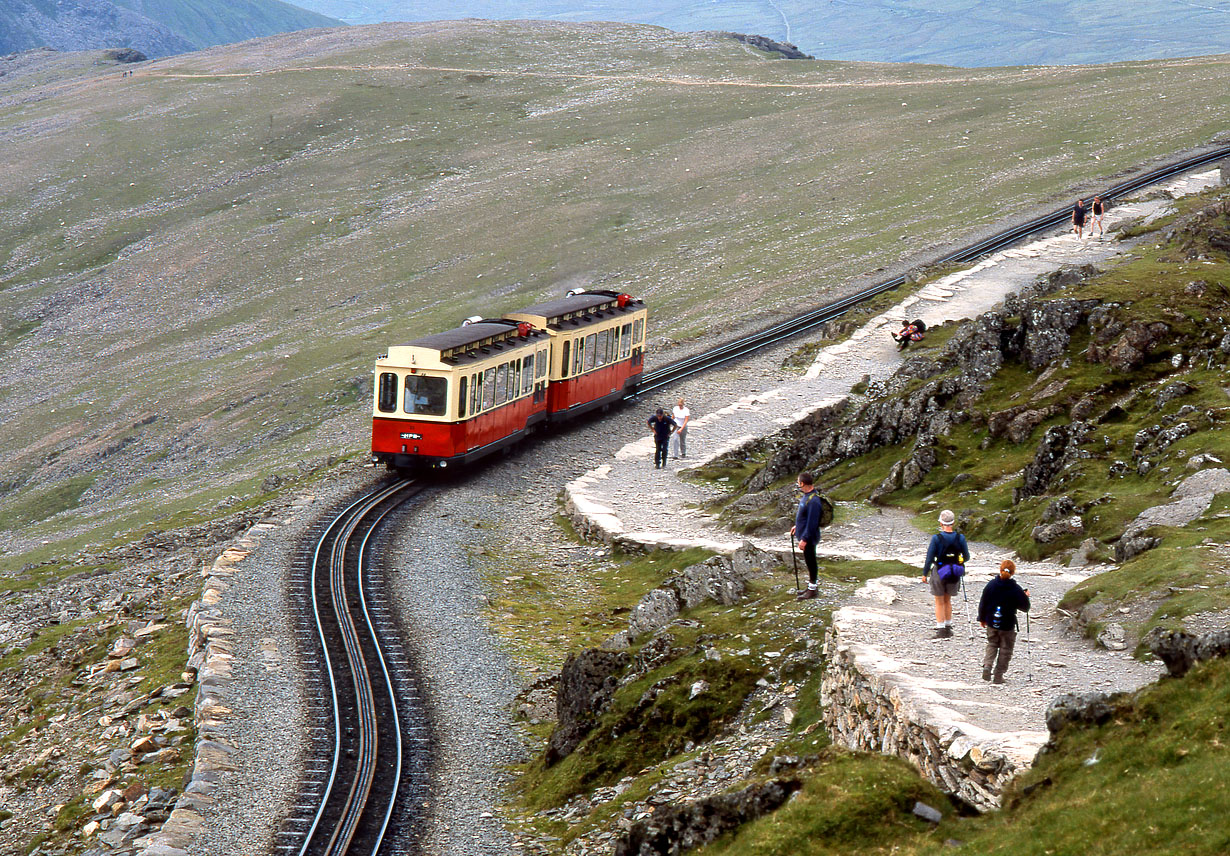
154, 27
970, 33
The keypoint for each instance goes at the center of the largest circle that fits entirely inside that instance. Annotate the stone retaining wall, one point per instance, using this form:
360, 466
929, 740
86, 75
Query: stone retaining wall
209, 655
868, 707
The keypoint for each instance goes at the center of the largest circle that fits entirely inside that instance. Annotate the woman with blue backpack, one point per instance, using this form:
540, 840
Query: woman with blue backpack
948, 553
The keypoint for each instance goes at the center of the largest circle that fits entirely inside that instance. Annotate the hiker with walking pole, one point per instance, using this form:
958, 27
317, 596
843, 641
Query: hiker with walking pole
997, 609
948, 552
807, 522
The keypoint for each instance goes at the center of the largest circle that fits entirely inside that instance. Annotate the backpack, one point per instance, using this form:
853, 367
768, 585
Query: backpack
950, 566
826, 511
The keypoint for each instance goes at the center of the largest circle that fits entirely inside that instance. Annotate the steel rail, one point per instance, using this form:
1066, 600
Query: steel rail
725, 352
337, 537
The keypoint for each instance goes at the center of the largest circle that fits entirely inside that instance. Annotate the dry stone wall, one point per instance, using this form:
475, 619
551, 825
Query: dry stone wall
869, 706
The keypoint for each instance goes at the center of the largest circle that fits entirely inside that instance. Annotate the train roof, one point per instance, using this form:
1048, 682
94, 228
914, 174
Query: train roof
460, 337
466, 344
576, 305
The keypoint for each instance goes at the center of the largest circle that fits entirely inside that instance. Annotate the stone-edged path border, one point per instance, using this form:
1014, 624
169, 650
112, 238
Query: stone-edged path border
888, 686
210, 655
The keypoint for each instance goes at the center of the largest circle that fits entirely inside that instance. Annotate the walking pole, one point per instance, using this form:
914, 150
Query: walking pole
1029, 651
796, 563
969, 624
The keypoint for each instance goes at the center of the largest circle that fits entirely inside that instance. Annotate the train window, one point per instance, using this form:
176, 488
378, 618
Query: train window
514, 379
476, 393
590, 350
501, 384
638, 330
425, 395
387, 399
602, 351
527, 374
625, 341
489, 389
578, 356
564, 369
540, 369
461, 399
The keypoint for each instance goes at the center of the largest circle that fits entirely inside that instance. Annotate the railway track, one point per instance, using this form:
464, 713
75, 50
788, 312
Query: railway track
809, 320
369, 734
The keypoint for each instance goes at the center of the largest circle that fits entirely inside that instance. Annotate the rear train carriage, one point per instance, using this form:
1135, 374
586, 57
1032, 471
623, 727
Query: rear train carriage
453, 397
597, 348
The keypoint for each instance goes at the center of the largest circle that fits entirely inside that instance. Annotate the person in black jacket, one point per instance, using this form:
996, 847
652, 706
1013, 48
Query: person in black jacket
662, 426
807, 528
1001, 598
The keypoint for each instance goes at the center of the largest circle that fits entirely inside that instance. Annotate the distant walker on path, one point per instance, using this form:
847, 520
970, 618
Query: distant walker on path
948, 553
807, 528
1001, 598
662, 426
1098, 209
1078, 218
679, 440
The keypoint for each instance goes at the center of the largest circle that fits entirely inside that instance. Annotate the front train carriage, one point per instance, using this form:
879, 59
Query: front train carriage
597, 348
453, 397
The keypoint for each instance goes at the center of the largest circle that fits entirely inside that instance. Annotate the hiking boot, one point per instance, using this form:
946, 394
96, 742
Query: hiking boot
807, 594
986, 676
942, 633
999, 679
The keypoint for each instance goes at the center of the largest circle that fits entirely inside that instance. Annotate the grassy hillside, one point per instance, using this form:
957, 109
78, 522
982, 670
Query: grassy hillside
201, 261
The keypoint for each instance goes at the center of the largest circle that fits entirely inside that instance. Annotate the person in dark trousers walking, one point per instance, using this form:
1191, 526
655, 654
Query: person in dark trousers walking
1001, 598
663, 427
1078, 218
947, 548
807, 528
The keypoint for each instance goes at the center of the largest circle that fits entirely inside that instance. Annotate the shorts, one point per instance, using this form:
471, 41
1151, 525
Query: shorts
939, 588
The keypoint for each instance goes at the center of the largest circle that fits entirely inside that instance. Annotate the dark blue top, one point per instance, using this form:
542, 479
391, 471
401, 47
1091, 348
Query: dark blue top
940, 542
807, 518
1008, 595
662, 428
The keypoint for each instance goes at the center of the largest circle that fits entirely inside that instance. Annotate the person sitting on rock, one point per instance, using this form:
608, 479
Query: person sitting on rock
911, 331
1001, 598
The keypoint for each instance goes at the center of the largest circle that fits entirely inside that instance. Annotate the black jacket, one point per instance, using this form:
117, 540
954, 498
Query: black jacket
1008, 595
662, 428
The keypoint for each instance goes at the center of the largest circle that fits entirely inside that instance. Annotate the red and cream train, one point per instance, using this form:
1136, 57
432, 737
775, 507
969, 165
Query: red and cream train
454, 397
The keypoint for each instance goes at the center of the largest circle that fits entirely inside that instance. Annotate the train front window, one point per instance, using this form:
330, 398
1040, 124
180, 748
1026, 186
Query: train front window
386, 401
540, 369
527, 374
638, 330
461, 398
625, 342
589, 351
426, 396
567, 350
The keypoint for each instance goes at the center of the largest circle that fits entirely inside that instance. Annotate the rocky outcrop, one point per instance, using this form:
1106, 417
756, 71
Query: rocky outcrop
763, 43
1180, 651
1078, 709
587, 683
674, 829
929, 395
1057, 448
